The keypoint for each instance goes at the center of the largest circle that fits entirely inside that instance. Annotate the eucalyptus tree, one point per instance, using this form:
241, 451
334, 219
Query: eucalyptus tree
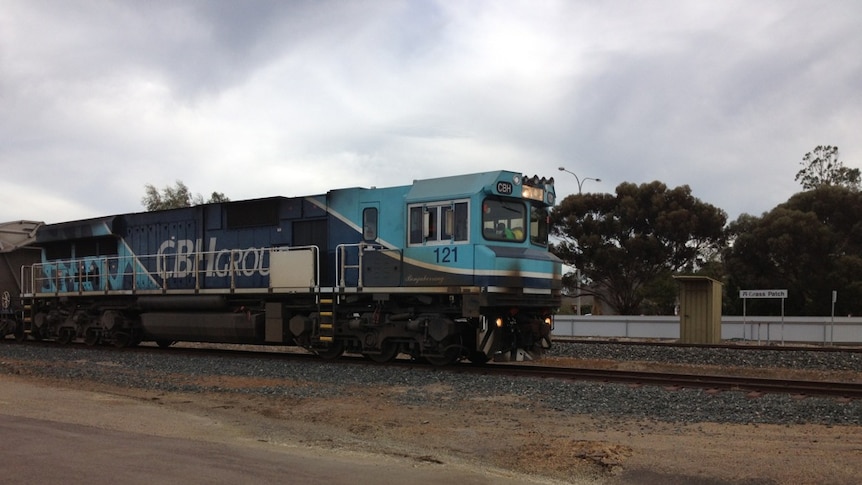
821, 166
629, 244
810, 245
176, 196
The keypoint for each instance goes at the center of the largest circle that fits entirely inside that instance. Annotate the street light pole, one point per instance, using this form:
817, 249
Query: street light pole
578, 276
580, 190
580, 182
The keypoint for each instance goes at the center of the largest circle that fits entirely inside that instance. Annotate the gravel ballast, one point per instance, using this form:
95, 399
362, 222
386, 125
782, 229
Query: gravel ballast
171, 371
723, 357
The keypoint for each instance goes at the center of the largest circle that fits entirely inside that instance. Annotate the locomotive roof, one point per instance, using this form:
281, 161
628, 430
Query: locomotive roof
426, 189
454, 186
99, 226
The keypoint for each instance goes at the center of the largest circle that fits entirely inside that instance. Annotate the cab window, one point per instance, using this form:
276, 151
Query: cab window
369, 223
504, 220
439, 223
416, 225
539, 225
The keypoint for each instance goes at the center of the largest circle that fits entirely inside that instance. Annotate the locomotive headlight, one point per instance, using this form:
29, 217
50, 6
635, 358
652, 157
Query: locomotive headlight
548, 321
499, 322
533, 193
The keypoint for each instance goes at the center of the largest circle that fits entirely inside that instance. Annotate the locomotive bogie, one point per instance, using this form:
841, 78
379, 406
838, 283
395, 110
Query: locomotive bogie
440, 270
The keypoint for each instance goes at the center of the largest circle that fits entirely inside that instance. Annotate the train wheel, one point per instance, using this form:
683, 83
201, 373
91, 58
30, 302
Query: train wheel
92, 337
66, 335
20, 336
449, 356
334, 351
122, 339
419, 359
478, 358
388, 351
7, 326
164, 343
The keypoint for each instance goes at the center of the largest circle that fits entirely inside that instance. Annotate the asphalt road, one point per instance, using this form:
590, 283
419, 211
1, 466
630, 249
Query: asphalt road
45, 438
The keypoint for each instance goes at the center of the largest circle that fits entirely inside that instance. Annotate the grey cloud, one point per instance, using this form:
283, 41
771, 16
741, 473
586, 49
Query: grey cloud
724, 96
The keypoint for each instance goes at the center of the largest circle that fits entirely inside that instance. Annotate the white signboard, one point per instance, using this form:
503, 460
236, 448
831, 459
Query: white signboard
763, 293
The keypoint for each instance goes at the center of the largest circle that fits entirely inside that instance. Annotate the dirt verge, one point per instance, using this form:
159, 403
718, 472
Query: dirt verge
481, 432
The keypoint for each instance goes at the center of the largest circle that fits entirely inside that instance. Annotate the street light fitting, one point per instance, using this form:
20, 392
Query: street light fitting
578, 179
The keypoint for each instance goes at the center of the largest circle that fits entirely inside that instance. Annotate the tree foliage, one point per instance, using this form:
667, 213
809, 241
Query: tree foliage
822, 167
810, 245
217, 197
174, 197
628, 244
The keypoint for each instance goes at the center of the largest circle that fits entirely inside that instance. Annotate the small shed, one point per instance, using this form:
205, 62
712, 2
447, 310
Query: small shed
699, 310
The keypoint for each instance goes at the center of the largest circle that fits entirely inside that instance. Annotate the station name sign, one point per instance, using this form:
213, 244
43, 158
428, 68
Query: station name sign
763, 293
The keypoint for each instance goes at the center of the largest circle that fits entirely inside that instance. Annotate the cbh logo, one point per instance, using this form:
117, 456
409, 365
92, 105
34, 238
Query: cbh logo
178, 258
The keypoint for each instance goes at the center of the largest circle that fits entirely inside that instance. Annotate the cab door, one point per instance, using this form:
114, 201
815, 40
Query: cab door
380, 266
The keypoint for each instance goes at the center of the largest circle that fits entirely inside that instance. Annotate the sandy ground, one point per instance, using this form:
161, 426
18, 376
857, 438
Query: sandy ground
91, 440
489, 435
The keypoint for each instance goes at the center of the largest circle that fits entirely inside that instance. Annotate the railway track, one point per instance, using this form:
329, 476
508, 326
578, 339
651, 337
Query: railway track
847, 390
730, 345
668, 380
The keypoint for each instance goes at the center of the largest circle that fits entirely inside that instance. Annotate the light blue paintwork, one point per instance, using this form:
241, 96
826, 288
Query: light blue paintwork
459, 262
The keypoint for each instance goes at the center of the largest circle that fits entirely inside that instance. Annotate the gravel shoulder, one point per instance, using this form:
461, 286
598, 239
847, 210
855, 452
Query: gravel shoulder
619, 435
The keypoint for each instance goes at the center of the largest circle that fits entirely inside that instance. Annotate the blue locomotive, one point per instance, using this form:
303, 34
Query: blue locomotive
442, 269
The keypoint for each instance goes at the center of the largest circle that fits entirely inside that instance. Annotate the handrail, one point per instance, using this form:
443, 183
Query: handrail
341, 265
27, 278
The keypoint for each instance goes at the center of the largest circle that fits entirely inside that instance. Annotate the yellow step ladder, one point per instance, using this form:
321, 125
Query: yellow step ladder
326, 321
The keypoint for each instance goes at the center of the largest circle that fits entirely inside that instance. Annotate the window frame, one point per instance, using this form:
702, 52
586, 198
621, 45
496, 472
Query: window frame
428, 225
492, 207
540, 227
370, 223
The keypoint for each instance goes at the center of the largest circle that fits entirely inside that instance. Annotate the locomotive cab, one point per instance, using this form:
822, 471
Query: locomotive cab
484, 238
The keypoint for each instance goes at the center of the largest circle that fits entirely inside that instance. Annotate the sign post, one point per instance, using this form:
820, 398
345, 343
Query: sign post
746, 294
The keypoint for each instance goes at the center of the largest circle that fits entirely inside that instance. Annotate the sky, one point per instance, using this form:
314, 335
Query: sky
260, 98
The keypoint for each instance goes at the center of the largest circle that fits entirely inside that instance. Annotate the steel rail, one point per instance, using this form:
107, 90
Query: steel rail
789, 347
850, 390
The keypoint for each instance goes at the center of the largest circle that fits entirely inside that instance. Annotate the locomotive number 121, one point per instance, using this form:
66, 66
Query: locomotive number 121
446, 255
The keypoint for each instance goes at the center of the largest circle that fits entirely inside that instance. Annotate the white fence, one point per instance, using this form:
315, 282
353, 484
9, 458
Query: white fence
765, 330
